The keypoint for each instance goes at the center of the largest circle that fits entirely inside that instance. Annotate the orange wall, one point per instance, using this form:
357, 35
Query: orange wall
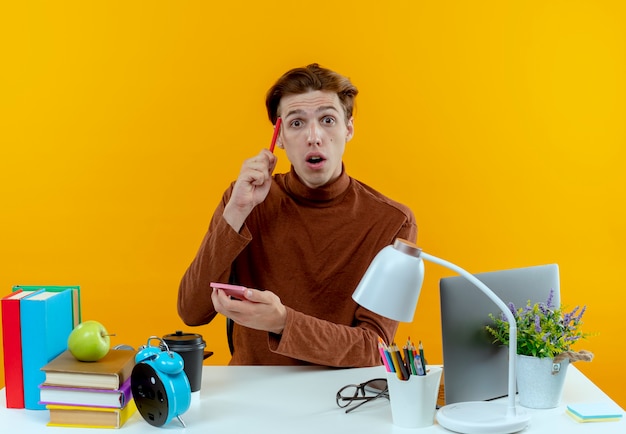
501, 124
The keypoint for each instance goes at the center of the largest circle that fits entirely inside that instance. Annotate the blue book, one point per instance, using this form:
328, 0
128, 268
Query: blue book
55, 288
46, 320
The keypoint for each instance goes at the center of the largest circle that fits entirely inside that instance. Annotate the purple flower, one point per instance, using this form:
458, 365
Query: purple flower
537, 324
567, 317
550, 299
512, 308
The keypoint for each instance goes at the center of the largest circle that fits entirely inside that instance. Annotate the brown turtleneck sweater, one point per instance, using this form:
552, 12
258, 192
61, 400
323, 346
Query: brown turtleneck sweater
310, 247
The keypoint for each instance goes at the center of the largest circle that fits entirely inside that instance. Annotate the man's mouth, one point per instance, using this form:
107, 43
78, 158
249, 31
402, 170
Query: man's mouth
315, 160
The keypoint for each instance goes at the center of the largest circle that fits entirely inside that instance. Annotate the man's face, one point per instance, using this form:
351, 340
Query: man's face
314, 133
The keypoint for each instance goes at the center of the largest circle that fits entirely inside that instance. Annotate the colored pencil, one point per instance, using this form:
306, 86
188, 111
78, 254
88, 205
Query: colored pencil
423, 360
275, 136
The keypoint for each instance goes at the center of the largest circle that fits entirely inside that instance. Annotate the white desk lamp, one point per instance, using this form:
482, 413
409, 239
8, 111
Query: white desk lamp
391, 286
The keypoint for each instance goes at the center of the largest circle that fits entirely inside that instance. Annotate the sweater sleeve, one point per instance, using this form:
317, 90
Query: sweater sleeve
194, 293
325, 343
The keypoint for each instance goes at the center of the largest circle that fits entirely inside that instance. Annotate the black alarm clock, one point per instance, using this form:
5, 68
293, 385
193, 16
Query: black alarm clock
159, 384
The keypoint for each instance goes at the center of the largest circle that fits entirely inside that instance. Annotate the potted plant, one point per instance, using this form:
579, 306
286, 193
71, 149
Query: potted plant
545, 336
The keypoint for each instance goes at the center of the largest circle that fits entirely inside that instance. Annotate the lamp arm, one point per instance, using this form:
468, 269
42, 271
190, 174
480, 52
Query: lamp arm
507, 312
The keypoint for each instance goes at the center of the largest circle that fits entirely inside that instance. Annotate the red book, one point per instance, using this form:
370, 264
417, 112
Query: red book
12, 346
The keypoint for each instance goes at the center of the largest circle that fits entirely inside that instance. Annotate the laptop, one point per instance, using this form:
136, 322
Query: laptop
475, 369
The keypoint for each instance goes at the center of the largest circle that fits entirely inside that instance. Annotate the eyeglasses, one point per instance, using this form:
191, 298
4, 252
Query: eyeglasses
364, 392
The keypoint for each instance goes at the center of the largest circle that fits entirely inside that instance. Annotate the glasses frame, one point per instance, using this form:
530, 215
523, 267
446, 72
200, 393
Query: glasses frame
360, 393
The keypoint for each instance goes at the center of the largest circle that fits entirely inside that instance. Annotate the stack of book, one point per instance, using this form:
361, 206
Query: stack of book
89, 394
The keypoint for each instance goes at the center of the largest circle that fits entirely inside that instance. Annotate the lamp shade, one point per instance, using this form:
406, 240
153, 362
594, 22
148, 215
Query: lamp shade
392, 283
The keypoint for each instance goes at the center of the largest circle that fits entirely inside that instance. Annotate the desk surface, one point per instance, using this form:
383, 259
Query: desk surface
302, 399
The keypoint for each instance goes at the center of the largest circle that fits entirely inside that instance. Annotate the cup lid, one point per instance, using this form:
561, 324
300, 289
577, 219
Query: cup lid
184, 341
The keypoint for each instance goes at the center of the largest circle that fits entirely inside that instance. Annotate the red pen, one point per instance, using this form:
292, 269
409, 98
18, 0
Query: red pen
276, 130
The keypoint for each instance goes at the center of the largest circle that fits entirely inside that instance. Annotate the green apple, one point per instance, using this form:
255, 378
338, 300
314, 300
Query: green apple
89, 341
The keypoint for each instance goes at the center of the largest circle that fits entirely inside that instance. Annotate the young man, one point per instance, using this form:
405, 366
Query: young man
306, 237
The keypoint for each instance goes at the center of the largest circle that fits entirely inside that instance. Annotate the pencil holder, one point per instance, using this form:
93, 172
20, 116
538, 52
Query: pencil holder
413, 401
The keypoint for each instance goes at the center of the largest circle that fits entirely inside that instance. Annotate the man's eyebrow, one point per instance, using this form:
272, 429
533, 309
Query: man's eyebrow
326, 107
294, 112
317, 110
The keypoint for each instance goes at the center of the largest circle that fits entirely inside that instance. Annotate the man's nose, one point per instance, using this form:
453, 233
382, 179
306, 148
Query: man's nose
315, 135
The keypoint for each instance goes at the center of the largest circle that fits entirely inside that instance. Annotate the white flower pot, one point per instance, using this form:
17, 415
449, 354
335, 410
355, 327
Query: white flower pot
540, 381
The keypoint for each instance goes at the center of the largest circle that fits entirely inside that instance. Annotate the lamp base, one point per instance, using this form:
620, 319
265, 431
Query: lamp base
481, 417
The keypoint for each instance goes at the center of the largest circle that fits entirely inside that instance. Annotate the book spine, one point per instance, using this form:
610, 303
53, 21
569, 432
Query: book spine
126, 394
12, 347
45, 327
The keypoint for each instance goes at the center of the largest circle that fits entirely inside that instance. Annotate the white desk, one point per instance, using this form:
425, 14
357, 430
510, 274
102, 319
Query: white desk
302, 399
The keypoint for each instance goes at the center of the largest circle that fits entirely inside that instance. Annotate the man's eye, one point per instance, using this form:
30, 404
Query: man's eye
296, 123
329, 120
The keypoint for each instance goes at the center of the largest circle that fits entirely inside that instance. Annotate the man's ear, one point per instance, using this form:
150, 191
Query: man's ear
350, 128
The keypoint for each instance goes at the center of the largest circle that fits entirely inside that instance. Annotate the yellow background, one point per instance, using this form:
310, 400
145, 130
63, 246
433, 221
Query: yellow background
501, 124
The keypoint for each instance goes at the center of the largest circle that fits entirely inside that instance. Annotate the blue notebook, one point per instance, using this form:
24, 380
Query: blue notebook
46, 321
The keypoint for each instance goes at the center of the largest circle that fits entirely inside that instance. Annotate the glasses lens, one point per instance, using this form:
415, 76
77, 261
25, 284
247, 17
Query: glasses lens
362, 393
375, 386
347, 394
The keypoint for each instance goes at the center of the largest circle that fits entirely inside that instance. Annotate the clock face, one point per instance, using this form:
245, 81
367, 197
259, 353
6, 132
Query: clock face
150, 394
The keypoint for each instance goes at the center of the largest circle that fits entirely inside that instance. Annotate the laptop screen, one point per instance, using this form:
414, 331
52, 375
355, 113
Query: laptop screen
475, 369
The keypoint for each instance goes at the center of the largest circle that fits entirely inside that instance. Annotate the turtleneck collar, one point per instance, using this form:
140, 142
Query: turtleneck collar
321, 196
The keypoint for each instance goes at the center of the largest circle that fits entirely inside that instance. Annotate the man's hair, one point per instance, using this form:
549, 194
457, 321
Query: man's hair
311, 78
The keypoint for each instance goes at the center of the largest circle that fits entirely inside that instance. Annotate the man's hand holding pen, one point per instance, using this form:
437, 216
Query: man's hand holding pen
251, 188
